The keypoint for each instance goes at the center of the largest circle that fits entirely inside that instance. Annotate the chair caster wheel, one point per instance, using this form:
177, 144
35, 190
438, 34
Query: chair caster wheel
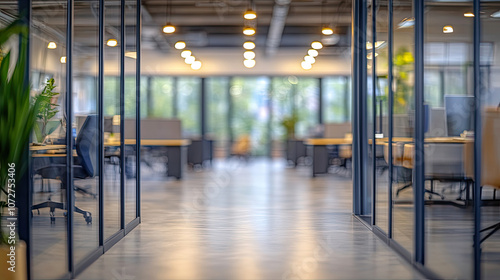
88, 218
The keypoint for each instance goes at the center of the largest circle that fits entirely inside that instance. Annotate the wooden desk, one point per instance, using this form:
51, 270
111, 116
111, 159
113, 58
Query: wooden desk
176, 152
319, 152
47, 147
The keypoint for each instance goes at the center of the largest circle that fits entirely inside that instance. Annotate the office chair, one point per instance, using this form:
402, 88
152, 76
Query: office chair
83, 168
491, 157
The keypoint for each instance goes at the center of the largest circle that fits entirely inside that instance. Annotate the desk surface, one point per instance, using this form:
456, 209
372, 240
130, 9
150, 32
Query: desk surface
153, 142
345, 141
47, 147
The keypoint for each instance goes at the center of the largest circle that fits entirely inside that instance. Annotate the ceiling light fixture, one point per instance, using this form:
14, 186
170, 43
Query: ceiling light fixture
190, 59
185, 53
249, 63
327, 30
316, 45
406, 23
249, 55
250, 14
196, 65
495, 14
180, 45
448, 29
306, 65
168, 28
469, 14
312, 52
131, 55
52, 45
249, 45
63, 59
249, 31
112, 43
309, 59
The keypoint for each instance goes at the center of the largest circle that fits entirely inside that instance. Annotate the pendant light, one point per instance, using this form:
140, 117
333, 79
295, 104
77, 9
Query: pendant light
168, 28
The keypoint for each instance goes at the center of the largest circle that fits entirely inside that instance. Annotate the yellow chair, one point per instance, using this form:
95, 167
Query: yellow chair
242, 146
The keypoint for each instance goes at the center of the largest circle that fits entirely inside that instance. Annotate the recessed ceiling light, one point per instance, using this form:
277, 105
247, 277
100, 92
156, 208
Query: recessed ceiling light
249, 55
312, 52
190, 59
469, 14
316, 45
63, 59
306, 65
112, 43
196, 65
448, 29
185, 53
52, 45
249, 45
249, 63
327, 30
496, 14
249, 31
180, 45
309, 59
250, 14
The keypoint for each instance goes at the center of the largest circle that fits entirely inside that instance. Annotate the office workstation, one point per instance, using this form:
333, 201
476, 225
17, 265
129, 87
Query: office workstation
318, 139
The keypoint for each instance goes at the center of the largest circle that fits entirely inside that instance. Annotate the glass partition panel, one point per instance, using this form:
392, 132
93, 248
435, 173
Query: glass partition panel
381, 116
85, 121
490, 140
449, 219
49, 150
111, 99
130, 111
403, 123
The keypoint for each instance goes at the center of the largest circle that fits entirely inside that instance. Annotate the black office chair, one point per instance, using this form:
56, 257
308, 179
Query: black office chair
83, 168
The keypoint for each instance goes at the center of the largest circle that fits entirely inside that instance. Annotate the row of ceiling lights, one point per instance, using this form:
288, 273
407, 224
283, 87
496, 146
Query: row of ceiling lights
188, 55
312, 53
249, 30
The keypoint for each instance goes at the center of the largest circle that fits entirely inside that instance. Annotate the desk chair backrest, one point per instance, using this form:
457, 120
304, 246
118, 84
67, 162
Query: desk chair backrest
86, 145
491, 148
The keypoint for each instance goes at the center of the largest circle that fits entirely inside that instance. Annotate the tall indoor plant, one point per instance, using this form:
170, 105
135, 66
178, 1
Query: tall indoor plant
17, 117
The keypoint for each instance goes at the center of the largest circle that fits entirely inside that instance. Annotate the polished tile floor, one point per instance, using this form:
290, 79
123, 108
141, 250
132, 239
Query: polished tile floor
256, 220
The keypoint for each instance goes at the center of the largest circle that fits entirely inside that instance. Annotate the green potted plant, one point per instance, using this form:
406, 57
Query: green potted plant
47, 110
288, 124
17, 117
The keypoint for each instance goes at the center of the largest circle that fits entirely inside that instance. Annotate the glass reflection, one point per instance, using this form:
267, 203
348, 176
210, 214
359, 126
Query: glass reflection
49, 151
85, 123
112, 123
490, 139
403, 123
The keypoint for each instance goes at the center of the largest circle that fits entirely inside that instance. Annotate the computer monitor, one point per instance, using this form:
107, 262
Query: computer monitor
459, 114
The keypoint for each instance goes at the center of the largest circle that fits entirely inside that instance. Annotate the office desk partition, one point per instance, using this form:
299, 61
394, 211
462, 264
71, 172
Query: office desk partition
319, 152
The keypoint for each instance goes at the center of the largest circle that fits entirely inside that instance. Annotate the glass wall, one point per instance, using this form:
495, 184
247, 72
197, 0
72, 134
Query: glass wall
85, 77
433, 107
50, 185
